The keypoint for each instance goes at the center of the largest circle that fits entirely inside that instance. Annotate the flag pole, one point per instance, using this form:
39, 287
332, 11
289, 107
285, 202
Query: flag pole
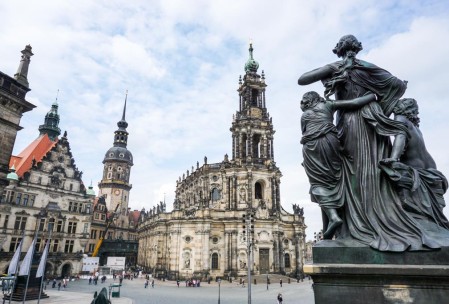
16, 267
33, 243
45, 262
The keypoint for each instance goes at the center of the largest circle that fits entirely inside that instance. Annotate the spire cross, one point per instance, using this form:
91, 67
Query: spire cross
251, 48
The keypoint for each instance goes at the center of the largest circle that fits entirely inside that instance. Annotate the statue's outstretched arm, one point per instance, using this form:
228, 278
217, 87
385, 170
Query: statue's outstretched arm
315, 75
355, 103
399, 143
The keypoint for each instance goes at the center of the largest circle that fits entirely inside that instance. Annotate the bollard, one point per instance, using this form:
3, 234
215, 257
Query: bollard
255, 283
288, 280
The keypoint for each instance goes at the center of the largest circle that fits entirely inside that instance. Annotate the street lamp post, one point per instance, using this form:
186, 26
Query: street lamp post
219, 282
267, 280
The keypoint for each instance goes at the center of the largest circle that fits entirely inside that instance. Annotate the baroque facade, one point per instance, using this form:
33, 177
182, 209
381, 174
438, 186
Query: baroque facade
46, 197
112, 204
204, 235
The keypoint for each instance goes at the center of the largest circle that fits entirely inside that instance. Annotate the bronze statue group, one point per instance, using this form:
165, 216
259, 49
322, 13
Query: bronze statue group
386, 194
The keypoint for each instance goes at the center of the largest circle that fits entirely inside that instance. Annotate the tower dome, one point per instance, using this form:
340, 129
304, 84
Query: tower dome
251, 65
12, 176
118, 152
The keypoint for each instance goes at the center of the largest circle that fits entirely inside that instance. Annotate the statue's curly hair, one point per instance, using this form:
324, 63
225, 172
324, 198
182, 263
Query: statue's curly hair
406, 106
347, 43
312, 97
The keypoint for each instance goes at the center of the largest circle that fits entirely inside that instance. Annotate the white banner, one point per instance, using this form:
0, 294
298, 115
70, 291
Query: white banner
41, 268
15, 260
26, 263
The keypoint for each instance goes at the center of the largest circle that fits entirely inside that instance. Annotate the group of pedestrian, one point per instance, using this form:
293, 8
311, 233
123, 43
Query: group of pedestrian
93, 280
193, 283
64, 282
147, 282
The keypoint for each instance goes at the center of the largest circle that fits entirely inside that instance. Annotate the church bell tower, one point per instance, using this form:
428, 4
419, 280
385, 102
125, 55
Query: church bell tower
252, 128
115, 186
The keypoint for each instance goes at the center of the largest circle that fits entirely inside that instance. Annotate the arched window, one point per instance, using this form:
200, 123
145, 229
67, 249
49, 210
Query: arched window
287, 260
214, 261
215, 194
258, 193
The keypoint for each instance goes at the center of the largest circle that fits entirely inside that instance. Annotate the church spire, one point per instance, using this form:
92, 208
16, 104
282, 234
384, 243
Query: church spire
51, 122
252, 128
121, 135
251, 65
22, 71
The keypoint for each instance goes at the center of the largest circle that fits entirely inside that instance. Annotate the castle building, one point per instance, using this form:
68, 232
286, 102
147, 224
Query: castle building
111, 207
204, 235
46, 196
12, 106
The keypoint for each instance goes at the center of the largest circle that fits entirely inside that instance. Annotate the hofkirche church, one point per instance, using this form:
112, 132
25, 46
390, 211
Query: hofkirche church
204, 235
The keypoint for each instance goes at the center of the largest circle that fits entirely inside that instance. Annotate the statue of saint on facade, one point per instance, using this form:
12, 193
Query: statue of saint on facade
370, 203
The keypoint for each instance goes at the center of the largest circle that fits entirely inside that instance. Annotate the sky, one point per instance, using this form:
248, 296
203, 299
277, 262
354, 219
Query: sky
180, 62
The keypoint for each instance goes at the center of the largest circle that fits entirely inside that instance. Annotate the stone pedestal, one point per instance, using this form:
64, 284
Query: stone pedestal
358, 274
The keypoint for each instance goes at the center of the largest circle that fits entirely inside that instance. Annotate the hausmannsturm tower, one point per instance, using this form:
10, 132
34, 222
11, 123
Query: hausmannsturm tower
118, 160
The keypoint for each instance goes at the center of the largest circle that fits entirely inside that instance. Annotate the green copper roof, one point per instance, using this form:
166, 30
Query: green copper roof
13, 175
90, 190
251, 65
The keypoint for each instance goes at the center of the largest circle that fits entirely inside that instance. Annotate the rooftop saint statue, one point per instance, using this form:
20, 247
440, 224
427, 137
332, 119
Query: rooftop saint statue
375, 209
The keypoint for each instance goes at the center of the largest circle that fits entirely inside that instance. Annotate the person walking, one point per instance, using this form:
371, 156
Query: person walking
279, 298
152, 284
177, 282
280, 282
59, 285
146, 283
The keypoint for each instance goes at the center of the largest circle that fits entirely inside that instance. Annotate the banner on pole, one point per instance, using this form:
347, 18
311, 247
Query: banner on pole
41, 268
15, 260
26, 263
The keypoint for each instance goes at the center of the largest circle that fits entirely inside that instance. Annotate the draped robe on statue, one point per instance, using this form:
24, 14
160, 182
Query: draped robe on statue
373, 213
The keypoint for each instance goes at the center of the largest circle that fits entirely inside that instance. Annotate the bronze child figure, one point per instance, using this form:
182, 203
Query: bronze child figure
322, 154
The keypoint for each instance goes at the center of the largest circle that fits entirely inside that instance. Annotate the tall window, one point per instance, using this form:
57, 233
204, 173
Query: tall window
54, 246
72, 227
68, 248
18, 198
51, 224
214, 261
215, 194
25, 200
93, 234
41, 224
91, 247
32, 198
20, 223
15, 241
287, 260
59, 227
5, 223
37, 247
258, 194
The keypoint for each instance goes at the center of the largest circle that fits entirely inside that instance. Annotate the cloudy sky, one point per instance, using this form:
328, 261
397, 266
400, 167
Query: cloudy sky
180, 62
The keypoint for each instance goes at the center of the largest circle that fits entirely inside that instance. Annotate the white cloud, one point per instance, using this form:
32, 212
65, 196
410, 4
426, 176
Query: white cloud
180, 62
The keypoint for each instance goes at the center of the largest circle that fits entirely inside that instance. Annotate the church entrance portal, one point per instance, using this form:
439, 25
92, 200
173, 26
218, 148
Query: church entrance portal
264, 260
